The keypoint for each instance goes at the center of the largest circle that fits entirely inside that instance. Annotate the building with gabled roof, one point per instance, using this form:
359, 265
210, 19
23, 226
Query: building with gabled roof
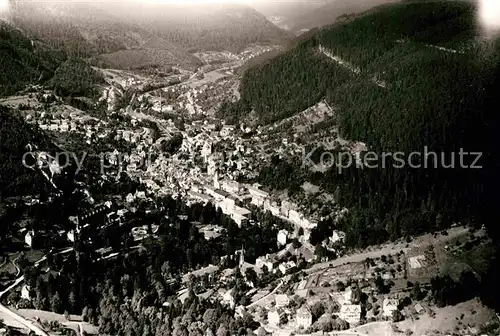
303, 318
281, 300
350, 313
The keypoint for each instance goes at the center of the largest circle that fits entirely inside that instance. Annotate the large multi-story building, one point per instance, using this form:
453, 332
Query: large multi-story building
258, 196
350, 313
389, 306
303, 318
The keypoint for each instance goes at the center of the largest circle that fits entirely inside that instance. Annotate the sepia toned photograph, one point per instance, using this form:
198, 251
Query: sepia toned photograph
249, 167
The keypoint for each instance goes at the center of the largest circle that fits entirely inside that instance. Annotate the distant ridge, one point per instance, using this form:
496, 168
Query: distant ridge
113, 33
330, 12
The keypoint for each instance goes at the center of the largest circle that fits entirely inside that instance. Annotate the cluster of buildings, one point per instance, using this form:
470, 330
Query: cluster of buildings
70, 122
142, 136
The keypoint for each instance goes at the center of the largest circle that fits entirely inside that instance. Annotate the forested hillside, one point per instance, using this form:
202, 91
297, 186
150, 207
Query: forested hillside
15, 178
122, 33
22, 62
80, 29
205, 27
154, 53
75, 78
419, 77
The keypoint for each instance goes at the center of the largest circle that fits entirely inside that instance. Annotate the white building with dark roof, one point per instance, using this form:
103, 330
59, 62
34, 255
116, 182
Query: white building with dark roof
389, 306
276, 316
282, 237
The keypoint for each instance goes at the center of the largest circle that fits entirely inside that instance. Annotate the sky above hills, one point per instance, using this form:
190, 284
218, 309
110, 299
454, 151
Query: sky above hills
489, 15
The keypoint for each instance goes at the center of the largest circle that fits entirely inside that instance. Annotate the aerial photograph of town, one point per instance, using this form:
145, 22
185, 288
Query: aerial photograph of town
250, 167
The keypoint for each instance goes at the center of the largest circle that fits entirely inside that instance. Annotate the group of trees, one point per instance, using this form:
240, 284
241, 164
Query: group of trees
446, 291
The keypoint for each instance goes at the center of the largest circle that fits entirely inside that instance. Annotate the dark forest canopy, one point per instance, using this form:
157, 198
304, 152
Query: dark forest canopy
434, 98
86, 29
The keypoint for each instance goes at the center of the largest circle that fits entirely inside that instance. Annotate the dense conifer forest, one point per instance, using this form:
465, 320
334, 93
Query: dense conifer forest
440, 81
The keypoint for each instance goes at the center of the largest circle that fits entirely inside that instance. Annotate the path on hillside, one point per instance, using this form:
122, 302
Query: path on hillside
352, 68
28, 324
265, 297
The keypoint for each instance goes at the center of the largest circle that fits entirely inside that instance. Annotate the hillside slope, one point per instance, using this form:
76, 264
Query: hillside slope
403, 78
153, 53
79, 28
24, 62
90, 29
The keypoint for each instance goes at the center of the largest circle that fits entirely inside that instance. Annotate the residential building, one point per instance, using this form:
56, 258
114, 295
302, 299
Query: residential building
207, 150
338, 236
28, 238
239, 311
231, 186
286, 206
282, 237
281, 300
419, 308
258, 196
130, 198
306, 252
227, 130
240, 215
303, 318
199, 197
348, 296
276, 316
71, 236
272, 207
389, 306
350, 313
